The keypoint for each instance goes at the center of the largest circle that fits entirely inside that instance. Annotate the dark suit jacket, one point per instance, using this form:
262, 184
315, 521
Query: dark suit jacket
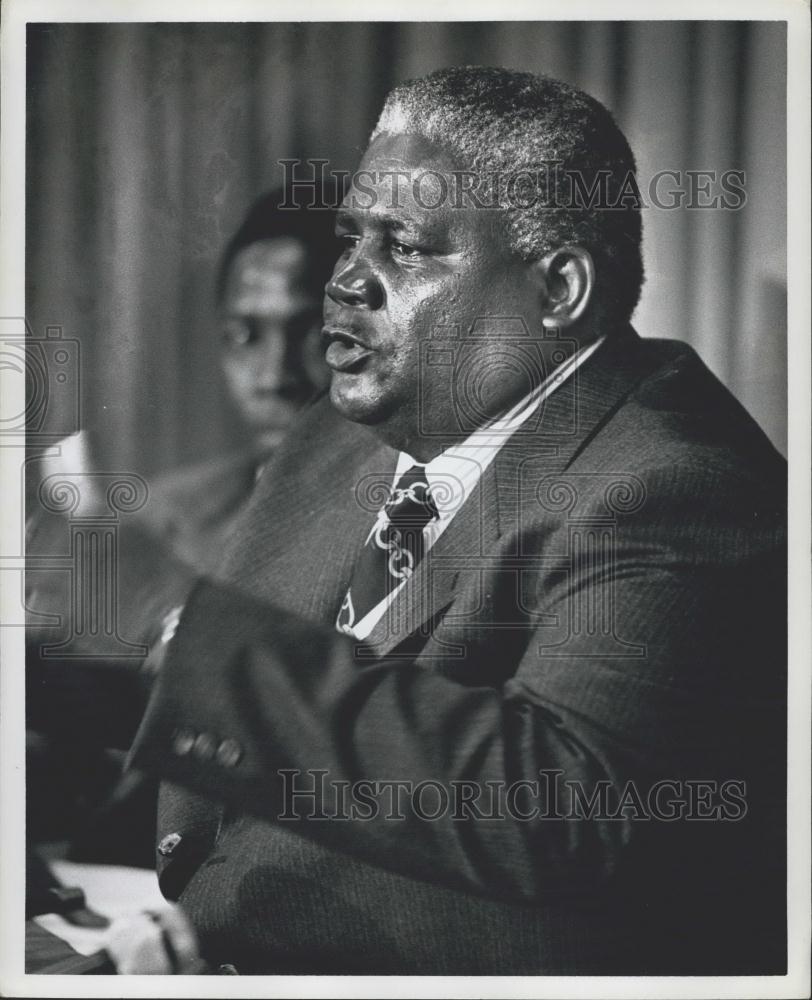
609, 604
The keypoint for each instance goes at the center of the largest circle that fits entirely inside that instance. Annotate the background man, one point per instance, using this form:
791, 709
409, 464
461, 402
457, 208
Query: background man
268, 298
269, 302
532, 542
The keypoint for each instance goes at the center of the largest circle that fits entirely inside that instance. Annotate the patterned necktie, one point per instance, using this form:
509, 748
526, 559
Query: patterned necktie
393, 550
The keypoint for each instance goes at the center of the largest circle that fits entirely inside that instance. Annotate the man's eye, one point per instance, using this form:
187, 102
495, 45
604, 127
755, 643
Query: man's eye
405, 250
240, 334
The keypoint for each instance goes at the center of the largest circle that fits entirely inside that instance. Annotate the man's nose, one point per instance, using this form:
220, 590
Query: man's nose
355, 285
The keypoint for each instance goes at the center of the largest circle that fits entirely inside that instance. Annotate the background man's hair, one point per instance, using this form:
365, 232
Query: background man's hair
315, 228
498, 120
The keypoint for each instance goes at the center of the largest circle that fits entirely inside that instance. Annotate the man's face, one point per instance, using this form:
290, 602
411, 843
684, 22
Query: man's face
409, 269
270, 320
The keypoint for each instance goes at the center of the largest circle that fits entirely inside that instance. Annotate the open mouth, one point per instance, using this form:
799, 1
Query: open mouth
345, 352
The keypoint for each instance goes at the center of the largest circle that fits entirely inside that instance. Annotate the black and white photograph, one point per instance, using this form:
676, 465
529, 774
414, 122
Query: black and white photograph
405, 589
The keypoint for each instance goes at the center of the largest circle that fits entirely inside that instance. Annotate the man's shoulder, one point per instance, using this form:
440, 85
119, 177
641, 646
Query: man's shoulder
696, 461
186, 480
209, 481
681, 414
202, 491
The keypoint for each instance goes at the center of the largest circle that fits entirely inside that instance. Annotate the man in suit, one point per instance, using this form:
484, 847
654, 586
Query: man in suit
497, 684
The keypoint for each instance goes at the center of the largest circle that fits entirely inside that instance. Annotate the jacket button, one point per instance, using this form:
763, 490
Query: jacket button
204, 746
168, 844
183, 742
229, 753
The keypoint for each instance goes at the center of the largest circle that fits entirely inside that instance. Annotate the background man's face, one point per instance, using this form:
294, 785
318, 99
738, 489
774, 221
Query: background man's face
270, 323
408, 269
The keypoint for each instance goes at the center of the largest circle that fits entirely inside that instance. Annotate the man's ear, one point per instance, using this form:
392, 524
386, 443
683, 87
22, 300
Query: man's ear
567, 279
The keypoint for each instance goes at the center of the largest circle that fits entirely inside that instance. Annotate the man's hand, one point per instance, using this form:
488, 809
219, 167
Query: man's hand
154, 943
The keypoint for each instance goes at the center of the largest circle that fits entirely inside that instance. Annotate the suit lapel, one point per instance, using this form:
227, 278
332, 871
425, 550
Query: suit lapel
546, 445
567, 421
301, 533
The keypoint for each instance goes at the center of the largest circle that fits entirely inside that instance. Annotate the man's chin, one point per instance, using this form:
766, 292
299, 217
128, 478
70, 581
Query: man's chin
269, 439
268, 433
353, 403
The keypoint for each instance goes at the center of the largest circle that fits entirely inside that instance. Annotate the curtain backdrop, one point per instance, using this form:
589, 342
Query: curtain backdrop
147, 142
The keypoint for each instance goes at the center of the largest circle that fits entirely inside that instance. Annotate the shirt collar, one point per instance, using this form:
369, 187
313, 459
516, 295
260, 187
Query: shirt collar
454, 473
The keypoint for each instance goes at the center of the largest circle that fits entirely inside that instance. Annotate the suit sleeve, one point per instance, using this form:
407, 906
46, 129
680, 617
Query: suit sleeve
532, 786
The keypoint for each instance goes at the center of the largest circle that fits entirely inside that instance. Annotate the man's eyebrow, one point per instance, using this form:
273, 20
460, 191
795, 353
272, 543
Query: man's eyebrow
393, 222
349, 218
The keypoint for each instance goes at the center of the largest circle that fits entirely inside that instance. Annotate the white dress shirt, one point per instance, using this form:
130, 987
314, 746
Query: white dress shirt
453, 474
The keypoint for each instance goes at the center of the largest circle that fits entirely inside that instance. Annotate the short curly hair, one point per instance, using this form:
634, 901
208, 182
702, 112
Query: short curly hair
266, 220
503, 122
